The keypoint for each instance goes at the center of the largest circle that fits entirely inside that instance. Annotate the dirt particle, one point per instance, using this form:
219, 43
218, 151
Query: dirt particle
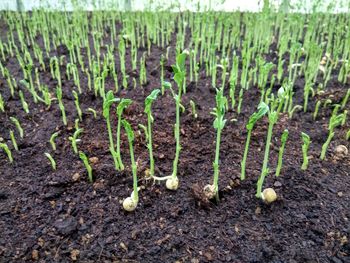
208, 256
35, 254
76, 177
123, 246
41, 242
258, 210
277, 184
93, 160
74, 254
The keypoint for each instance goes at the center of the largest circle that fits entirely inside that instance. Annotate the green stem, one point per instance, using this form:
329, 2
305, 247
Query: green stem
244, 160
151, 160
280, 160
121, 165
134, 172
216, 163
326, 144
266, 158
111, 144
177, 133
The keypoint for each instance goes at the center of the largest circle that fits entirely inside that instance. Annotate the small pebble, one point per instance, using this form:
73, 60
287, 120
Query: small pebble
76, 177
93, 160
277, 184
35, 254
74, 254
341, 151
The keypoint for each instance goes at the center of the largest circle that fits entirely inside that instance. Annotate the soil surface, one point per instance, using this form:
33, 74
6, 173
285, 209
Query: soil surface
49, 216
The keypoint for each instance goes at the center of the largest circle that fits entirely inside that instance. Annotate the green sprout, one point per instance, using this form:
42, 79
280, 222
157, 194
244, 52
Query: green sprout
273, 117
148, 110
18, 126
13, 139
284, 139
52, 161
345, 99
52, 140
130, 203
61, 105
94, 113
2, 104
305, 149
317, 107
77, 105
75, 139
262, 110
7, 151
85, 160
193, 109
172, 181
347, 136
107, 103
123, 104
335, 121
24, 103
219, 124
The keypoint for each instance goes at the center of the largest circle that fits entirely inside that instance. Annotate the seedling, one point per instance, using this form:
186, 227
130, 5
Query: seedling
52, 140
61, 105
305, 149
85, 160
23, 101
317, 107
74, 140
130, 203
77, 105
148, 110
212, 191
179, 69
345, 99
7, 151
13, 139
262, 110
2, 104
284, 138
93, 112
107, 103
123, 104
18, 126
52, 161
193, 109
273, 117
335, 121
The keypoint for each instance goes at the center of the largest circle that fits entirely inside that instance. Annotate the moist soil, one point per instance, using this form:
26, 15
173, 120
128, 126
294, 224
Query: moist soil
58, 216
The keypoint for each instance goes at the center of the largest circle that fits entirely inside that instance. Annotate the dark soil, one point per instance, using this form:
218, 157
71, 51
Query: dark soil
48, 216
